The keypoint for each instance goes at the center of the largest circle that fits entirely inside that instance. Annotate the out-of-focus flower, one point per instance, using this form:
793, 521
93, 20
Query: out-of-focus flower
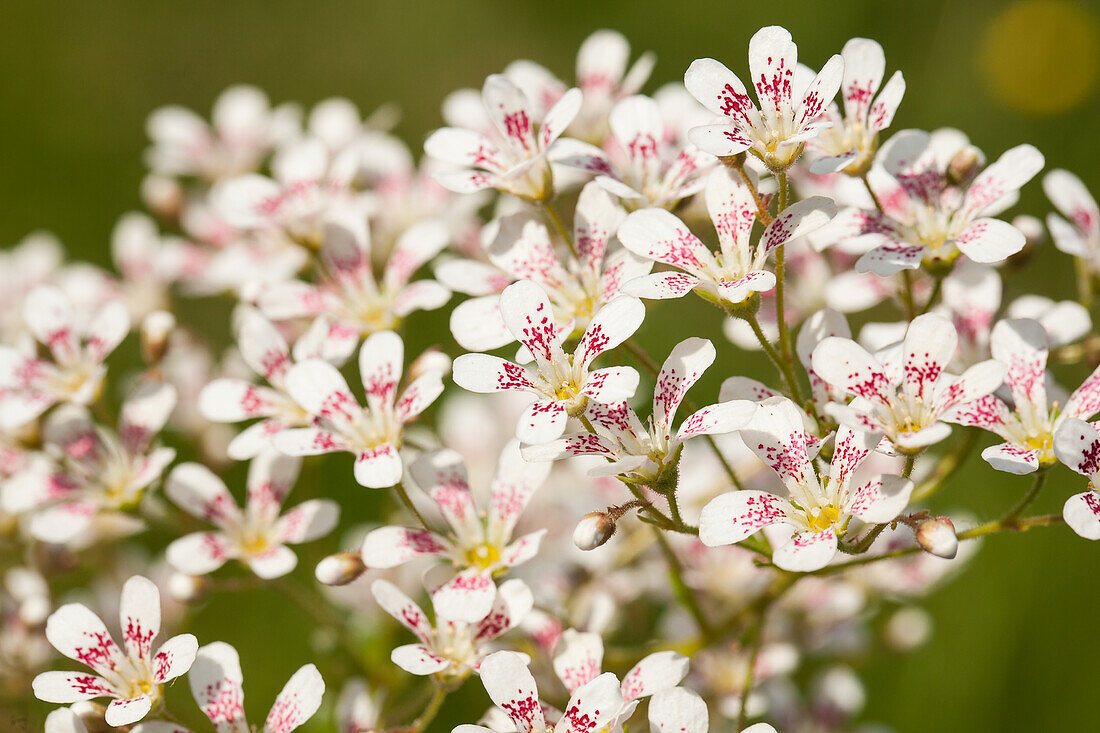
348, 294
78, 347
515, 161
479, 545
1080, 236
930, 214
97, 472
257, 536
340, 424
451, 649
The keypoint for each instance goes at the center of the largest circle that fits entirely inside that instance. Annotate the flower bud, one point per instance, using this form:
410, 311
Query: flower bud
964, 165
91, 714
937, 536
187, 588
163, 196
340, 569
155, 330
594, 529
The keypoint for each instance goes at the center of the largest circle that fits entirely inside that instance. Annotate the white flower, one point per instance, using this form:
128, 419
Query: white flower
520, 247
929, 214
1027, 423
78, 346
348, 294
479, 544
258, 535
515, 161
737, 270
790, 102
849, 144
451, 648
217, 685
1080, 236
339, 423
818, 508
645, 451
640, 164
563, 383
1077, 445
904, 392
96, 471
244, 129
133, 676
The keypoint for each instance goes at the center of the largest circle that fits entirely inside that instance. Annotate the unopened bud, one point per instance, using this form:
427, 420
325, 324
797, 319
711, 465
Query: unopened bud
964, 165
163, 196
187, 588
1031, 228
594, 529
432, 360
340, 569
937, 536
908, 628
155, 330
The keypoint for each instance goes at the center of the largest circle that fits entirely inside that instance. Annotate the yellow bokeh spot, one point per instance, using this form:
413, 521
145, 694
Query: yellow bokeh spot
1041, 56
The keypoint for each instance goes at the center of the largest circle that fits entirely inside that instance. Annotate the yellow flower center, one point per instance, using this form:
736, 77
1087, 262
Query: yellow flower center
483, 556
825, 519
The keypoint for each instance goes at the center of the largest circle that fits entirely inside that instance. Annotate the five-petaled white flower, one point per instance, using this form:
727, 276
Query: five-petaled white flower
736, 271
341, 424
515, 162
562, 382
849, 144
134, 675
903, 391
479, 544
258, 535
791, 102
645, 452
265, 351
1027, 423
451, 649
818, 507
521, 248
78, 346
96, 471
930, 212
348, 293
640, 164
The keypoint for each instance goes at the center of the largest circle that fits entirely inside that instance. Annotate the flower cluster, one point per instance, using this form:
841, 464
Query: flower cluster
589, 525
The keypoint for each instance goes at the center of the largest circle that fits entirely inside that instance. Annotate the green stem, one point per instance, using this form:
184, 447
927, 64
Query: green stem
552, 215
683, 593
1030, 496
643, 359
785, 347
781, 366
994, 527
936, 288
403, 494
907, 294
430, 711
750, 674
871, 191
947, 467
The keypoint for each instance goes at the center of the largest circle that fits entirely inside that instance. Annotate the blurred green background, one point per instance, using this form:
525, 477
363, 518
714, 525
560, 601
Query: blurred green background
1014, 646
